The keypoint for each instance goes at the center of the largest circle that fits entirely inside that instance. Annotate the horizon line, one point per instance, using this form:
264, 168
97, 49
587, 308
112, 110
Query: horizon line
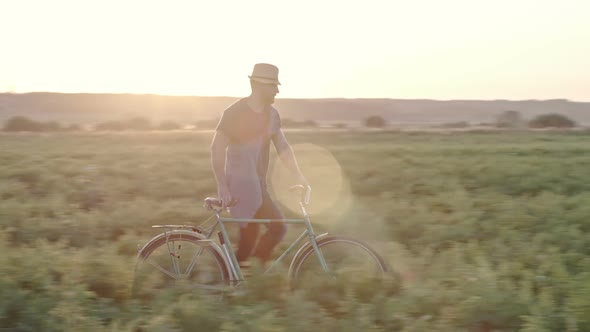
290, 98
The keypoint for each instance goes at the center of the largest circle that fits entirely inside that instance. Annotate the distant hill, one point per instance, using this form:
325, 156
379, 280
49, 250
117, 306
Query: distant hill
92, 108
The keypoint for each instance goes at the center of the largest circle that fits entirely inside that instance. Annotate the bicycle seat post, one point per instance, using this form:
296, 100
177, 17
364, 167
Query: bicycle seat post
227, 248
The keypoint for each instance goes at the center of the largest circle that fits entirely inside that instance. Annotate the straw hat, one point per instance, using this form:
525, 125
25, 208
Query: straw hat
265, 73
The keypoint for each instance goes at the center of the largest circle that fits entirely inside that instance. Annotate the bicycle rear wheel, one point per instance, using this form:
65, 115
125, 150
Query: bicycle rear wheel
179, 259
351, 263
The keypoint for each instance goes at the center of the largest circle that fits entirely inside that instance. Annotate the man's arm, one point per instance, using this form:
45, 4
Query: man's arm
218, 148
287, 156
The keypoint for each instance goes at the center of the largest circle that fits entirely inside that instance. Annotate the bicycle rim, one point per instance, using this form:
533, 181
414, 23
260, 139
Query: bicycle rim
351, 263
180, 260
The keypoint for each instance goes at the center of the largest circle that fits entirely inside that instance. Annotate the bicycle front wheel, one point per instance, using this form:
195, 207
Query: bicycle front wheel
179, 259
349, 262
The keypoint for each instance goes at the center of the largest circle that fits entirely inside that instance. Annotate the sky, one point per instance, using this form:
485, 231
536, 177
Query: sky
452, 49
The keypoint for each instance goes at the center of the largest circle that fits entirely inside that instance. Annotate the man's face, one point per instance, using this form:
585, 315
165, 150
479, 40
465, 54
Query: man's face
268, 91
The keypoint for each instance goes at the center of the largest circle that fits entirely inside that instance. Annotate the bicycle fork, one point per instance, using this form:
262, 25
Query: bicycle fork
314, 244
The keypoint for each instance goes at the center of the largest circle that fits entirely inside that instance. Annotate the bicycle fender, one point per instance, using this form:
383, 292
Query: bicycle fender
165, 234
302, 249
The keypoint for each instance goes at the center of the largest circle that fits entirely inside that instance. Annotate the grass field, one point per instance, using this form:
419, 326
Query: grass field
487, 231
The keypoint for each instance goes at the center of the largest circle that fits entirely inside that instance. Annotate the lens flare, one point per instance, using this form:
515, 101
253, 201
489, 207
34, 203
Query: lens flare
330, 195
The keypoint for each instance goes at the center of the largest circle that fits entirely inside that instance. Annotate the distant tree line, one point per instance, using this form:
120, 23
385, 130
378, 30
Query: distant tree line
507, 119
210, 124
22, 123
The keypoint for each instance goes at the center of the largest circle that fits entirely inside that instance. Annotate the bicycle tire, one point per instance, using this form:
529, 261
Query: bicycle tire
336, 250
211, 273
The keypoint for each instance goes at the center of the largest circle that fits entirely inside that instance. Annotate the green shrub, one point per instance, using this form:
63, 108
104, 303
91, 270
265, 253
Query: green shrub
22, 123
552, 121
375, 121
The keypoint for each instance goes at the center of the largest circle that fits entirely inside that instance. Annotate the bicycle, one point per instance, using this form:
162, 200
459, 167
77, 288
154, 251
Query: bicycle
186, 253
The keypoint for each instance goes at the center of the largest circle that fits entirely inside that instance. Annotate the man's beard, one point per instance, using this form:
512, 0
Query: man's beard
270, 100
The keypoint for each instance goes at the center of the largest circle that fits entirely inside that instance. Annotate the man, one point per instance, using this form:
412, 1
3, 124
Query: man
240, 158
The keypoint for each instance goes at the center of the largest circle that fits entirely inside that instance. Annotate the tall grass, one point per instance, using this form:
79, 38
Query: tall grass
486, 231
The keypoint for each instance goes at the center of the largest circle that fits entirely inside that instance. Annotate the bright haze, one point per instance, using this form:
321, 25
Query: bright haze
455, 49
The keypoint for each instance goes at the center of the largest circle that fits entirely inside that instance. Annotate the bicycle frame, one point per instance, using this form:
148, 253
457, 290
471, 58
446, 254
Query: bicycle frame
236, 274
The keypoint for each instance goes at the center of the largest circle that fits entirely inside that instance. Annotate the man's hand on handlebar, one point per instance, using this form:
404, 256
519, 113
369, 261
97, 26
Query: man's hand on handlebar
225, 196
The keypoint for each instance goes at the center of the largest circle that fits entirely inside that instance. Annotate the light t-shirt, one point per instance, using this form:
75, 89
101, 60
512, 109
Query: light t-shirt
247, 156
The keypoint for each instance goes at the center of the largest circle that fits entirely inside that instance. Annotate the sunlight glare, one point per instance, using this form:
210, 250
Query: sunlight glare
330, 190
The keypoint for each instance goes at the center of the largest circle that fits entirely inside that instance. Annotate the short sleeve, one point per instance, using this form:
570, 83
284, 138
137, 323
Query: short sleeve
226, 124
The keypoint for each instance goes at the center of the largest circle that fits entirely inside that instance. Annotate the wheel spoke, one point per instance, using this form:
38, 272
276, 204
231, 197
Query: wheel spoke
163, 270
173, 257
189, 268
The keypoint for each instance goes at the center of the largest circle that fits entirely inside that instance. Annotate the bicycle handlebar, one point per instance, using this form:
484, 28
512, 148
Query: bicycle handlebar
212, 202
305, 192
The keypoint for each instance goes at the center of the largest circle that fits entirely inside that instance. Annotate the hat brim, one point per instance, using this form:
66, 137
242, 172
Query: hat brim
264, 80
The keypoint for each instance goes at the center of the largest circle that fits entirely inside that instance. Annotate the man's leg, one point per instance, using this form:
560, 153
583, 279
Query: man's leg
275, 230
248, 236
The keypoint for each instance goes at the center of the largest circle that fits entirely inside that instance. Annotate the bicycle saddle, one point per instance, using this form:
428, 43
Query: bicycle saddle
212, 201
